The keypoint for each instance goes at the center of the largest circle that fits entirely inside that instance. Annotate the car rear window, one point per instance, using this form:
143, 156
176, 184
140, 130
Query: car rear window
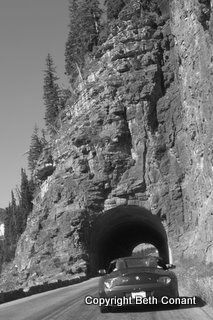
141, 262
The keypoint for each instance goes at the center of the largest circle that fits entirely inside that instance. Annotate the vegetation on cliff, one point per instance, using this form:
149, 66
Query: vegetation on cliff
113, 8
83, 34
51, 95
36, 146
16, 216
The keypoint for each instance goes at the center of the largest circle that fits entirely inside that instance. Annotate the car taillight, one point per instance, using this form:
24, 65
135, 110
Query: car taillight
110, 283
165, 280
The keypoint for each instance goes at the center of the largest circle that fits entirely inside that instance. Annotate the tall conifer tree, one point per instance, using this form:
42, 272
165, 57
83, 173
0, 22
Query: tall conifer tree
10, 225
7, 233
25, 197
51, 95
35, 150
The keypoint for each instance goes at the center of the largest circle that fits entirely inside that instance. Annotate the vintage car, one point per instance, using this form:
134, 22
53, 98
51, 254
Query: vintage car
134, 277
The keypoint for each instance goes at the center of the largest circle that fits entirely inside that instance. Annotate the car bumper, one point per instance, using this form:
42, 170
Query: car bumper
150, 295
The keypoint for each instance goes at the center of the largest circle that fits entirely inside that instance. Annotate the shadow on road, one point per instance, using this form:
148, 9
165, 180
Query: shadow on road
199, 303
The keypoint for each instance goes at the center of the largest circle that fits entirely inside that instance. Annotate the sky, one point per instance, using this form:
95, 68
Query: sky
29, 30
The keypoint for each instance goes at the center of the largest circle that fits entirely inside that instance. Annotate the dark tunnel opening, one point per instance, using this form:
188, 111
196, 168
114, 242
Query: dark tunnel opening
119, 230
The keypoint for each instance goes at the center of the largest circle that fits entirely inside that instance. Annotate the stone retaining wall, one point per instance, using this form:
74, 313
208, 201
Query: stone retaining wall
26, 292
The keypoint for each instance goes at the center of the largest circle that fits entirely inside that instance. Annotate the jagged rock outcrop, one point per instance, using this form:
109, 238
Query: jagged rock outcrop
138, 133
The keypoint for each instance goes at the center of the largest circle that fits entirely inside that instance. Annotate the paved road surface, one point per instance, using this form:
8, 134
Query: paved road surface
68, 304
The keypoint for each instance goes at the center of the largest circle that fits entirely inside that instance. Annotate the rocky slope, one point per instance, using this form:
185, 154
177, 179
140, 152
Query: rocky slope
139, 133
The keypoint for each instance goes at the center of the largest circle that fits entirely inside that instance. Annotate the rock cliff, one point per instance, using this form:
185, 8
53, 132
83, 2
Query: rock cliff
138, 133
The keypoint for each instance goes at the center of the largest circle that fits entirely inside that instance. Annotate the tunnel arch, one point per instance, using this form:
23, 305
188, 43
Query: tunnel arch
118, 231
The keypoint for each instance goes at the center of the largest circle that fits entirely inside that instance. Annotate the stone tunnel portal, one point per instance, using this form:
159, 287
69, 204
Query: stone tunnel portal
119, 230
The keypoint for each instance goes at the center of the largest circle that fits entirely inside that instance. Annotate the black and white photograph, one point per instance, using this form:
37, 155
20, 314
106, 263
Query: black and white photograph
106, 166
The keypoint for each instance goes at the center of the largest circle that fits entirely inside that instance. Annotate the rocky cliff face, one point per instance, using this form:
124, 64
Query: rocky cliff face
191, 25
138, 133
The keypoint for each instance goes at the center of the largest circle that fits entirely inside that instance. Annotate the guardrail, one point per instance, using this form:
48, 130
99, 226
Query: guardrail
46, 286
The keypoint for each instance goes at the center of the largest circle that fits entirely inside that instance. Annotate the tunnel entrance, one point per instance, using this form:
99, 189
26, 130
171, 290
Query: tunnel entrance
119, 230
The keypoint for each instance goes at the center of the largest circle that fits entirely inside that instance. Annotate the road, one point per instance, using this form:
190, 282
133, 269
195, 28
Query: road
68, 304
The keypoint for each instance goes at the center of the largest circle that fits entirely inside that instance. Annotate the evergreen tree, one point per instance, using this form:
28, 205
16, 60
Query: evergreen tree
19, 221
10, 225
26, 197
51, 95
16, 216
43, 139
64, 95
83, 33
36, 147
7, 233
13, 211
113, 8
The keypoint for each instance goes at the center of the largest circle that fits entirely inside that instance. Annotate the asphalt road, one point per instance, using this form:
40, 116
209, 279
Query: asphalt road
68, 304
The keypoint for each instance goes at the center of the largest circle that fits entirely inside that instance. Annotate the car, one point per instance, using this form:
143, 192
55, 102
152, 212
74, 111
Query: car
136, 279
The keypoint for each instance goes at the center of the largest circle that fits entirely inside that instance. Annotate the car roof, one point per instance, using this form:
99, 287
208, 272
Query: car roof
127, 258
135, 257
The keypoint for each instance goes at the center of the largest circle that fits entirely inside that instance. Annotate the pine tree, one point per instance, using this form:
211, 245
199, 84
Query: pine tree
16, 216
36, 147
51, 95
10, 224
13, 210
43, 138
15, 219
19, 221
64, 95
26, 197
113, 8
7, 233
83, 34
